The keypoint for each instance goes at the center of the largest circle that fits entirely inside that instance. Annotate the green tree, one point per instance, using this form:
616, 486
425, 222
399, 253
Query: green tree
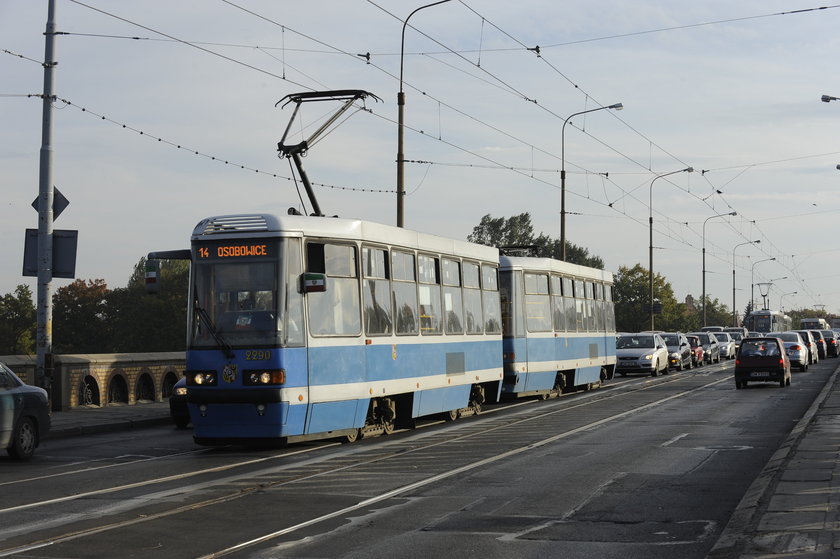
717, 313
79, 318
17, 322
517, 231
631, 291
143, 322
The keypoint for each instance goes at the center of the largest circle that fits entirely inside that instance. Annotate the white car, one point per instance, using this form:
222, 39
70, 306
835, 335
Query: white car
641, 353
727, 344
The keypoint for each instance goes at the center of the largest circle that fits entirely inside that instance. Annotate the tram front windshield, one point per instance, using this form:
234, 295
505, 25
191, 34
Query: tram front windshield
242, 301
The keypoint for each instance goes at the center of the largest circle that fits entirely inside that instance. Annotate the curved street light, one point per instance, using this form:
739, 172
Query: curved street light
400, 121
703, 300
782, 299
617, 107
734, 313
752, 281
650, 248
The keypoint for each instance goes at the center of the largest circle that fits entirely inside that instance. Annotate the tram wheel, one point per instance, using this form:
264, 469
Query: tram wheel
352, 437
388, 427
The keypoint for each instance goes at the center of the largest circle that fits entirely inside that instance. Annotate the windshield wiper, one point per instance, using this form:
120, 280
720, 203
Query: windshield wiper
222, 343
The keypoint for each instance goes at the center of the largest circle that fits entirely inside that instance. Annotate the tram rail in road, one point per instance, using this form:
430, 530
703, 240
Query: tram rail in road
357, 476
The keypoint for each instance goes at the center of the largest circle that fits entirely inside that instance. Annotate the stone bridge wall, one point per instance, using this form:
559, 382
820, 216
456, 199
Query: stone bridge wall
107, 378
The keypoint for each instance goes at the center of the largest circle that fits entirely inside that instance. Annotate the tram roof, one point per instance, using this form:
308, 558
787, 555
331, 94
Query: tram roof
258, 225
551, 265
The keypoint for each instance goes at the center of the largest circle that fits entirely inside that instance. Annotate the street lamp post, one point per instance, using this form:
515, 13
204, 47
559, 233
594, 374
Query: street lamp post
827, 98
782, 299
772, 282
617, 107
734, 314
764, 290
650, 223
752, 281
704, 259
400, 122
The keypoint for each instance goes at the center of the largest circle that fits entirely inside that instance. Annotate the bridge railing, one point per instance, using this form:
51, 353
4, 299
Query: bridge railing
105, 379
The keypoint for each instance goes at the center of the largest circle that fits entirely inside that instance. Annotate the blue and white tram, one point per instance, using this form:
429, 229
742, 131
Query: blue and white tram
559, 326
304, 327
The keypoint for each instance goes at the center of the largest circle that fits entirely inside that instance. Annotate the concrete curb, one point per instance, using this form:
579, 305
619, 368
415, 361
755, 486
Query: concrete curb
740, 531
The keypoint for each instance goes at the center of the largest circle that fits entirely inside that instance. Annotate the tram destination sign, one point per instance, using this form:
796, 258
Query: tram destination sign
236, 250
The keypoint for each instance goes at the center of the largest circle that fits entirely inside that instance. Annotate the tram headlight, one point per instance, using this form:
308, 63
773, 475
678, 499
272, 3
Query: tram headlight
202, 378
265, 377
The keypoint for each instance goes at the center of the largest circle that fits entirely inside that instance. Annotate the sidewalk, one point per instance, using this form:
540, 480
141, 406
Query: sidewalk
89, 420
792, 510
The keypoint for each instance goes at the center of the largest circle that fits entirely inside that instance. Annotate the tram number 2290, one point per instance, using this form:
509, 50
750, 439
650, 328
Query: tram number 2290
257, 355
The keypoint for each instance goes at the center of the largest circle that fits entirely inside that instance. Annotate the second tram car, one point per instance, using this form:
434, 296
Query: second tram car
559, 325
765, 321
311, 327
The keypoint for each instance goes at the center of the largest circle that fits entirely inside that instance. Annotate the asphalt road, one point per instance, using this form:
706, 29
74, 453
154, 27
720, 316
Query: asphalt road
642, 468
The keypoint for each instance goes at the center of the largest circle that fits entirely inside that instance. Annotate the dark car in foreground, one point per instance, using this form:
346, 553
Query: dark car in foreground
762, 359
178, 404
24, 415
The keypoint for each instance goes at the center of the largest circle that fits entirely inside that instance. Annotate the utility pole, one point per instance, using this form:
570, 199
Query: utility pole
44, 363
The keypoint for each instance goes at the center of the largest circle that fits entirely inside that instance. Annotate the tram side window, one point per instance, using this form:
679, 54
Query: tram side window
336, 311
537, 304
590, 306
428, 272
472, 299
293, 296
558, 313
404, 289
452, 303
490, 299
599, 307
376, 289
580, 306
569, 305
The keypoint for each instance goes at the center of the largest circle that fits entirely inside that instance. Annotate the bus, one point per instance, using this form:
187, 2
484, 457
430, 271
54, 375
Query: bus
814, 324
304, 327
766, 321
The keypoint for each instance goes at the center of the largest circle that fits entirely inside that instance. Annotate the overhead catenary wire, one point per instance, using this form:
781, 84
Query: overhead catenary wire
275, 75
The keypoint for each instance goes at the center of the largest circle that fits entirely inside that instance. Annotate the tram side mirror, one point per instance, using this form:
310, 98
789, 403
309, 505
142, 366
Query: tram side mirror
311, 282
152, 276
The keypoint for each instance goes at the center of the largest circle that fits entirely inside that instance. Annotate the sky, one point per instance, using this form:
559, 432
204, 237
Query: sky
167, 113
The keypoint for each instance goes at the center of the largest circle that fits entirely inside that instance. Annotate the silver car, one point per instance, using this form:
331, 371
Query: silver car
641, 353
796, 349
727, 344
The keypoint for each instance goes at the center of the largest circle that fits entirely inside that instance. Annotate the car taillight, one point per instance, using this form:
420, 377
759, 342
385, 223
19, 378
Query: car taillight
796, 347
737, 362
781, 361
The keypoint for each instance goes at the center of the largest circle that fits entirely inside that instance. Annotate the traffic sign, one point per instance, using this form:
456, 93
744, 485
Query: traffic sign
59, 203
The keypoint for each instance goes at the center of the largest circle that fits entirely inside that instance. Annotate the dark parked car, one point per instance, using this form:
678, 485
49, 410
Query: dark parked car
178, 404
762, 359
24, 415
832, 349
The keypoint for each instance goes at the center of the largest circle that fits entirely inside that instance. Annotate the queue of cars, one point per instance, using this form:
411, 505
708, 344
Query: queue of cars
758, 356
657, 353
